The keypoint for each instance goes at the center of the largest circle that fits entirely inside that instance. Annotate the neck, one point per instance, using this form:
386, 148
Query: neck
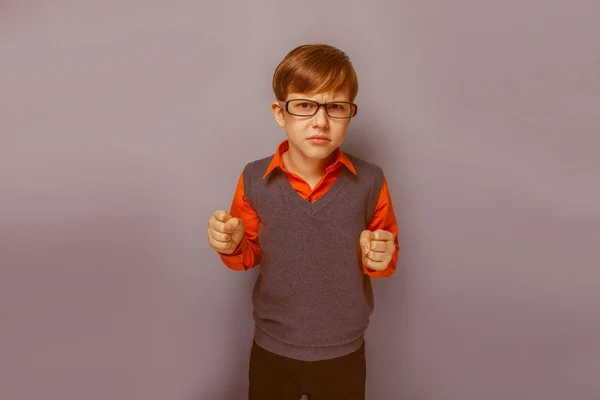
307, 168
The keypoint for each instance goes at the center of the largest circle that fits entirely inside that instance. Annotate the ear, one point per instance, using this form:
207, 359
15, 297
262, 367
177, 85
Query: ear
278, 113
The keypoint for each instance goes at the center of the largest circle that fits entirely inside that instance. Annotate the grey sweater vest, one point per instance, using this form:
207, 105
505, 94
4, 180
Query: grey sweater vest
312, 299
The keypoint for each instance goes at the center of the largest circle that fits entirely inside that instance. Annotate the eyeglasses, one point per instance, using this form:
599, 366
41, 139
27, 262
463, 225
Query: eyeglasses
308, 108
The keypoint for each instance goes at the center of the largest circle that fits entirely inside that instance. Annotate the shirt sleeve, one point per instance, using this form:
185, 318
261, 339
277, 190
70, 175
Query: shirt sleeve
384, 218
247, 255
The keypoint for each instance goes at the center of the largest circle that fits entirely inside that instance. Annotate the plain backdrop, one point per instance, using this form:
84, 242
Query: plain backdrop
125, 124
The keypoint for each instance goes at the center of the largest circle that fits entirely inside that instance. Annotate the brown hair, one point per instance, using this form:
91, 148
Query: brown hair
314, 68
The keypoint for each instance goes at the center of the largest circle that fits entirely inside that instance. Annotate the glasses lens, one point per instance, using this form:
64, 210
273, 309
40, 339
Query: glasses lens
340, 110
302, 107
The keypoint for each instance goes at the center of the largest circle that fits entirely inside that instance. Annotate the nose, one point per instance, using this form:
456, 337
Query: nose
321, 119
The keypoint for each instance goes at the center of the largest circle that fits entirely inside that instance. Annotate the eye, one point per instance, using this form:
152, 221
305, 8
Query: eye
337, 106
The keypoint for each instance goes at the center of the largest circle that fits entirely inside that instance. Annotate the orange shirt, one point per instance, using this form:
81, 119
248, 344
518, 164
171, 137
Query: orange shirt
247, 254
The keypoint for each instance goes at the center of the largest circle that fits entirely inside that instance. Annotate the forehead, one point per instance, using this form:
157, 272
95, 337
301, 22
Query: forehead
339, 95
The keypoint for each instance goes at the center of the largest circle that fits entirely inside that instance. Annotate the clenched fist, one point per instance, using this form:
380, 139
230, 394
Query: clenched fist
225, 232
377, 248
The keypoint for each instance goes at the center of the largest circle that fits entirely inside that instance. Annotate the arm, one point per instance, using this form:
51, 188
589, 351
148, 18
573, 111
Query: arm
247, 255
384, 219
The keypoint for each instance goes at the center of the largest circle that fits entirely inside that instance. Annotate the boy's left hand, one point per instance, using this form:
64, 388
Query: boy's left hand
377, 248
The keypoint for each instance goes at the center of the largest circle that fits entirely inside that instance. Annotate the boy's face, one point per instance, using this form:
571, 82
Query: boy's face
302, 131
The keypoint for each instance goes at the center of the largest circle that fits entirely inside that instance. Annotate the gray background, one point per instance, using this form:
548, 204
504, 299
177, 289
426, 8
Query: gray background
125, 124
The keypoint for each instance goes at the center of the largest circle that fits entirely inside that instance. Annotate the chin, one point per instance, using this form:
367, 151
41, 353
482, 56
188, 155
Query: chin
320, 153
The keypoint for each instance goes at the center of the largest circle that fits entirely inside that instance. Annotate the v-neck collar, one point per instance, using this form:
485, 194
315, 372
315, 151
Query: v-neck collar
312, 207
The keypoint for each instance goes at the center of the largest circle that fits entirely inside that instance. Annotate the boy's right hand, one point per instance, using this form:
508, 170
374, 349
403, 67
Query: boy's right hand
225, 232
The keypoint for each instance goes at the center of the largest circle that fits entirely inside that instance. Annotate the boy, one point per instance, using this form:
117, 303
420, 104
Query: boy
321, 224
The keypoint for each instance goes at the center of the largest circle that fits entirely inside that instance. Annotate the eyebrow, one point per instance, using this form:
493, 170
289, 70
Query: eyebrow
317, 101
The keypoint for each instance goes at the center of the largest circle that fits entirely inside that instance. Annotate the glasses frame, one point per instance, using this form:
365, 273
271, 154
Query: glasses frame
285, 106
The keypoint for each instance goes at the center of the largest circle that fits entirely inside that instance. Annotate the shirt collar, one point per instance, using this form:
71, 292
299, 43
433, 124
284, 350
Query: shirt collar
277, 161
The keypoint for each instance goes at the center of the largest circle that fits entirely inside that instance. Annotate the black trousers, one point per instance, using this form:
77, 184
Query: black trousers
273, 377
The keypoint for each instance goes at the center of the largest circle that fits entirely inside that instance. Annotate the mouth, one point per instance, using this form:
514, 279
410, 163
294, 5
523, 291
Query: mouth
320, 138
